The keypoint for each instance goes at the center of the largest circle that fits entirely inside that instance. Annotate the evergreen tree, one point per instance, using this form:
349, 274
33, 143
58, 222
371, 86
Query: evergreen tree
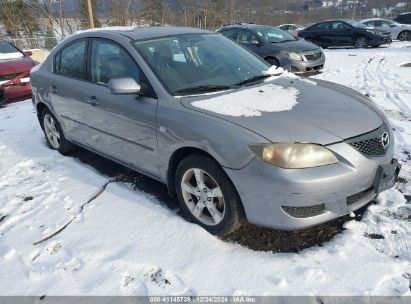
51, 40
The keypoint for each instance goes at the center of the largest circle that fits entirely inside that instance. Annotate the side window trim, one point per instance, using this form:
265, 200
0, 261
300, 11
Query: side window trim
150, 89
58, 54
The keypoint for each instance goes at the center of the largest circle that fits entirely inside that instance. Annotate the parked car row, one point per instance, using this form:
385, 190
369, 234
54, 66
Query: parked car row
344, 33
203, 114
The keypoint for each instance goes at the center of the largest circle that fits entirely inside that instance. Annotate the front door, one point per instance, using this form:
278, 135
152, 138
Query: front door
249, 40
122, 127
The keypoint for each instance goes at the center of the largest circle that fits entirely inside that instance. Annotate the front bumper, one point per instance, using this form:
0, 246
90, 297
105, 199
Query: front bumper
339, 189
379, 40
305, 65
15, 92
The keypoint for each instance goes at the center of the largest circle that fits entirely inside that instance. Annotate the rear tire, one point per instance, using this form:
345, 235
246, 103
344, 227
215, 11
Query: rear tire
361, 42
404, 36
54, 134
207, 196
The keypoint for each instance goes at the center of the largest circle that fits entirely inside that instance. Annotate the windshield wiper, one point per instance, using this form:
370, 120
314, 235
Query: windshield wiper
252, 79
203, 89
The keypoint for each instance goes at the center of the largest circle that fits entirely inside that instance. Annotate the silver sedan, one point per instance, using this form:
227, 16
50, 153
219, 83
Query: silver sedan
398, 31
231, 137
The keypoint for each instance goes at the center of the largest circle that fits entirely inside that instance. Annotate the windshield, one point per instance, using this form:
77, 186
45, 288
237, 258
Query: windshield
197, 63
355, 23
8, 51
272, 34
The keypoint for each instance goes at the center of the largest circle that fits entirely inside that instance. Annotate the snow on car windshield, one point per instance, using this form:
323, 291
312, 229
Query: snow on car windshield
251, 101
8, 51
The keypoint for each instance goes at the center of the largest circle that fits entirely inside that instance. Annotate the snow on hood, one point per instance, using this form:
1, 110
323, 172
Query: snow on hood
252, 101
14, 55
277, 72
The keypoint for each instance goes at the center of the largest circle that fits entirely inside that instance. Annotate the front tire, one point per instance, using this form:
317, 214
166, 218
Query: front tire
361, 42
54, 134
207, 196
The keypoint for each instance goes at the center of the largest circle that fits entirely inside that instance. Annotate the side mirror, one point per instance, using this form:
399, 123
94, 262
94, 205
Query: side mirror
28, 53
393, 25
126, 85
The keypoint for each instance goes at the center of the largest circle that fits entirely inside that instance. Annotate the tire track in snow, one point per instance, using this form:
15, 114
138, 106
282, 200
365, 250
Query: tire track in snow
376, 77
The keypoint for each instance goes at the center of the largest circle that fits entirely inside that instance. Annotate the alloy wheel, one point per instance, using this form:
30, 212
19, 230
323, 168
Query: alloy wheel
52, 134
203, 196
404, 36
361, 42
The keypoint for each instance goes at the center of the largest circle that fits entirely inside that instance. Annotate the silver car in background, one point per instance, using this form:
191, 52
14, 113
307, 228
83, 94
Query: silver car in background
293, 29
231, 139
397, 30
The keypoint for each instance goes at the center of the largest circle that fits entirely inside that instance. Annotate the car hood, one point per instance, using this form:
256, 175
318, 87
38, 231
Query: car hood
12, 66
325, 113
295, 46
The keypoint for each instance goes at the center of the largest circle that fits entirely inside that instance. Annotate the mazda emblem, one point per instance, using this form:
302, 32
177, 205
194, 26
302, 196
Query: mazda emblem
385, 139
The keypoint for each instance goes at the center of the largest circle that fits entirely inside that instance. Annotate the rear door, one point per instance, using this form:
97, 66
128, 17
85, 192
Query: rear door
66, 88
122, 127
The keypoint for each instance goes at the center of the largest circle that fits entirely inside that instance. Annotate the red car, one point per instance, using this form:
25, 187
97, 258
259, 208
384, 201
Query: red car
15, 66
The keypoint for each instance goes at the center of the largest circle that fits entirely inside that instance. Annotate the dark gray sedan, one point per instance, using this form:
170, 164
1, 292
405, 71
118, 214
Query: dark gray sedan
277, 47
233, 139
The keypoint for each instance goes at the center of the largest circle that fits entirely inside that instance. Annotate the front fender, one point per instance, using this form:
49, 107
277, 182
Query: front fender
184, 128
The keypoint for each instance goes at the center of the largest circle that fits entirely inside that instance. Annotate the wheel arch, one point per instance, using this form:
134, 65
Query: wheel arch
266, 58
40, 106
184, 152
176, 157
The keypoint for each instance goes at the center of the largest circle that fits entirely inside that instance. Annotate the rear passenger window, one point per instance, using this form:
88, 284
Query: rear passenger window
321, 26
232, 34
109, 61
70, 61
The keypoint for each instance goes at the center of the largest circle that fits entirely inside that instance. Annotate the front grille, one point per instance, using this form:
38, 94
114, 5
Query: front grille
313, 57
370, 144
303, 212
355, 198
8, 76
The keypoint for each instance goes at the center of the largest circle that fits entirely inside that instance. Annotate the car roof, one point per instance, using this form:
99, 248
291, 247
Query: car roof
245, 25
140, 33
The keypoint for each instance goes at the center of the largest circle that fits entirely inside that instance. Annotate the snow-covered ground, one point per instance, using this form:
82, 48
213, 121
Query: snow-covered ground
127, 242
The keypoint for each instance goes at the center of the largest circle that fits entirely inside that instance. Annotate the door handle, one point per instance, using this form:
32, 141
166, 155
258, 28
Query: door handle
53, 90
93, 100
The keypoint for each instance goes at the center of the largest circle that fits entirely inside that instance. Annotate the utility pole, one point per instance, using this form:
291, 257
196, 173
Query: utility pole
90, 14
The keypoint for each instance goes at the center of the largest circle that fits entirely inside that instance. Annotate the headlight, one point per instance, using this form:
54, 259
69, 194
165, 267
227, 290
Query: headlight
294, 56
294, 155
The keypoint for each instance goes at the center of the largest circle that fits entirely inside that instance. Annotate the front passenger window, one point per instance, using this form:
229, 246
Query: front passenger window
246, 37
109, 61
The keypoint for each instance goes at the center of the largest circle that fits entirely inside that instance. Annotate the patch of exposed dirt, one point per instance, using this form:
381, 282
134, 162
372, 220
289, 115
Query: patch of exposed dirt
374, 236
264, 239
406, 65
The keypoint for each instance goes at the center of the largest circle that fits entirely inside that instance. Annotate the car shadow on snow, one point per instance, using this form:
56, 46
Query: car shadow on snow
251, 236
